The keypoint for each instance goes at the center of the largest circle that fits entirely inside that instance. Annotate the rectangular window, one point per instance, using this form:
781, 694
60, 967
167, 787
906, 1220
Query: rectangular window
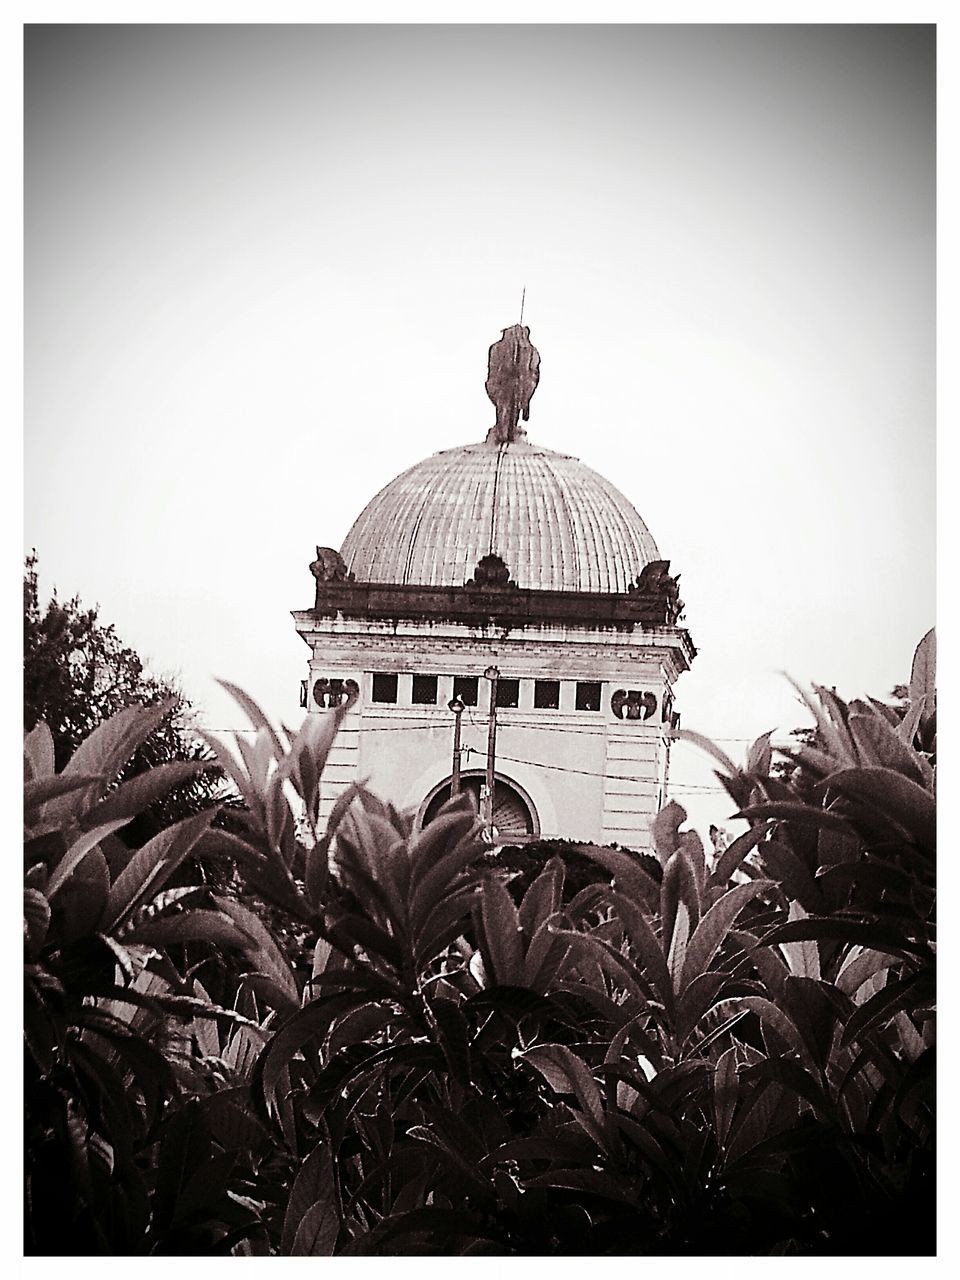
384, 687
508, 693
466, 688
588, 695
425, 690
546, 694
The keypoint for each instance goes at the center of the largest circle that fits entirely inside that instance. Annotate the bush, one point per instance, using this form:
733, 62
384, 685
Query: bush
734, 1060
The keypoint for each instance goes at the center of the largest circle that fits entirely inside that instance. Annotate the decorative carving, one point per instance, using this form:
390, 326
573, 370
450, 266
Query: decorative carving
655, 580
633, 705
513, 371
333, 692
329, 566
491, 574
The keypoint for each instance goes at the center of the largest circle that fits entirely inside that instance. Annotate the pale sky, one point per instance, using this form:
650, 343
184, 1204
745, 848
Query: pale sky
263, 266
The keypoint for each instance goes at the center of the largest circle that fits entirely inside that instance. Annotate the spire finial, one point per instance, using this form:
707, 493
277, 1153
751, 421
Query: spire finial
513, 371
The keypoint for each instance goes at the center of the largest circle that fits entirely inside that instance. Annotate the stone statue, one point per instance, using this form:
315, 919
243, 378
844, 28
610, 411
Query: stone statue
513, 372
329, 566
654, 579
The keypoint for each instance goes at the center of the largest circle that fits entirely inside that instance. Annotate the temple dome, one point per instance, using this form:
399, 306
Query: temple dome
557, 525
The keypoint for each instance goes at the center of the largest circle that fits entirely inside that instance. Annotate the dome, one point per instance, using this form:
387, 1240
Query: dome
556, 524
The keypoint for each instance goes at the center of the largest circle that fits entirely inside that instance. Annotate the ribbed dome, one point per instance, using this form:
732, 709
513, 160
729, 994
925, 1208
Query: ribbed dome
555, 523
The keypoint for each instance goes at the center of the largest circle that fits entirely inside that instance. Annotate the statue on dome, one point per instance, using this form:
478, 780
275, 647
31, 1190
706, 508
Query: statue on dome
513, 371
329, 566
656, 581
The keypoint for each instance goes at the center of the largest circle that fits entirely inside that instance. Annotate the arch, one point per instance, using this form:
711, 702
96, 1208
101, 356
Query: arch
514, 813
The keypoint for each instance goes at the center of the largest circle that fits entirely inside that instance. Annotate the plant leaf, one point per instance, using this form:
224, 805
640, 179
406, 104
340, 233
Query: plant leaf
710, 747
710, 933
105, 752
879, 744
502, 948
38, 753
77, 852
197, 925
736, 851
38, 791
923, 672
314, 1188
150, 867
139, 792
906, 802
564, 1072
263, 949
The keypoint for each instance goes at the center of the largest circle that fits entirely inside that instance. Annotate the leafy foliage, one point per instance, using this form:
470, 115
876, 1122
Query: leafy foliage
77, 673
695, 1056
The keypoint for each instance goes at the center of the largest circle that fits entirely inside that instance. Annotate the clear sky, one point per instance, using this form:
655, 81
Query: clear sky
263, 266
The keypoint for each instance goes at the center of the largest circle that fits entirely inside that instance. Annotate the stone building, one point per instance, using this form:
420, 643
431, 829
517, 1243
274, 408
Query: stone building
501, 571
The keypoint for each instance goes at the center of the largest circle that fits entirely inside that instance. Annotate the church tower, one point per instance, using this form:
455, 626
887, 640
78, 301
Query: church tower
501, 582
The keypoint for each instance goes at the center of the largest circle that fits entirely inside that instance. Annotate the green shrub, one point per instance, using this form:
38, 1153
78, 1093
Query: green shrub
707, 1059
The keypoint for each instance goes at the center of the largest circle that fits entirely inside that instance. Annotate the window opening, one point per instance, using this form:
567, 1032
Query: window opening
425, 690
384, 687
546, 694
508, 693
588, 695
467, 689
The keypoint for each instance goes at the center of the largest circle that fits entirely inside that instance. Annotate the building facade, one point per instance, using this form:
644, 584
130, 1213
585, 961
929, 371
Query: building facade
501, 573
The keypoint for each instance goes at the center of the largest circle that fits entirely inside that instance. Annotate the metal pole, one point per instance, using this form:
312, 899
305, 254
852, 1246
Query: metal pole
456, 706
493, 675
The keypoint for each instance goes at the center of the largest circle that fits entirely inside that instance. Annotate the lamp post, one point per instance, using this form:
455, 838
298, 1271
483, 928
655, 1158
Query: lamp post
456, 706
493, 675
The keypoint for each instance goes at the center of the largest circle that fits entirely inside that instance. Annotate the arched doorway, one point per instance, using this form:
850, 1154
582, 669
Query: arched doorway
514, 815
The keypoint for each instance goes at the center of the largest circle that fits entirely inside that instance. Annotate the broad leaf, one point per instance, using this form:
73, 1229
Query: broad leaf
254, 715
736, 851
679, 886
262, 948
198, 925
139, 792
36, 920
566, 1073
842, 929
84, 897
713, 928
923, 673
502, 946
711, 748
105, 752
629, 876
314, 1188
802, 956
38, 791
879, 744
150, 867
38, 753
906, 802
77, 852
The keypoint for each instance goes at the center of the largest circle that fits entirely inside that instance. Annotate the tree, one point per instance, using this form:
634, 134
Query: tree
77, 673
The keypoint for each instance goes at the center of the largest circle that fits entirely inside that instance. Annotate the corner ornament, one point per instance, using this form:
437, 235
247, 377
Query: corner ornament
329, 566
491, 574
655, 580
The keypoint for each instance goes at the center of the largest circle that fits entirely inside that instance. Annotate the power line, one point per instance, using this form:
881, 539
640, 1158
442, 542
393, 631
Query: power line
583, 731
